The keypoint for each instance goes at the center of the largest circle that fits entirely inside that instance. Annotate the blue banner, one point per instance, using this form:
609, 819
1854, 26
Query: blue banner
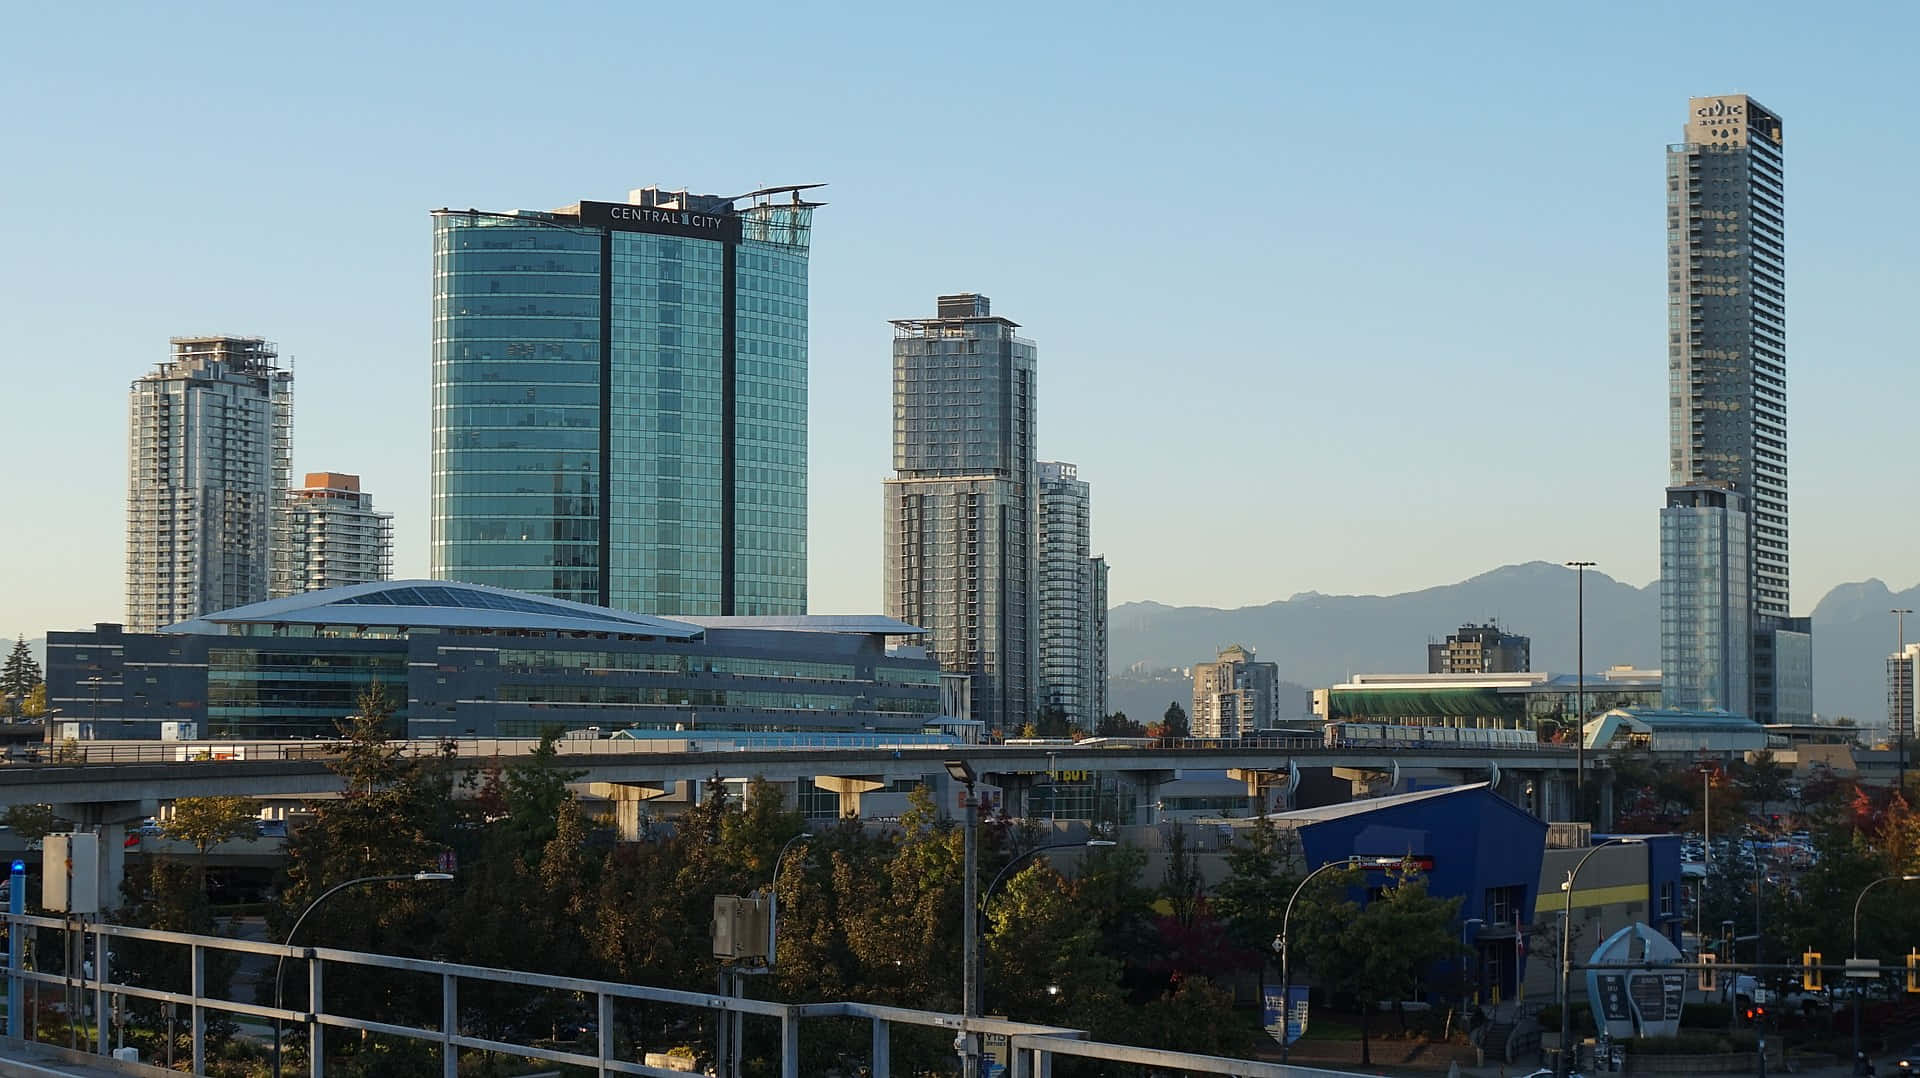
1285, 1017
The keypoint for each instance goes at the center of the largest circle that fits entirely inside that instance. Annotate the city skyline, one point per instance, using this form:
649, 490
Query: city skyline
1110, 396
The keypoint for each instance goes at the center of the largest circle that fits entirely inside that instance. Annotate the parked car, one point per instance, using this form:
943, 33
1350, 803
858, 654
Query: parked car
1909, 1063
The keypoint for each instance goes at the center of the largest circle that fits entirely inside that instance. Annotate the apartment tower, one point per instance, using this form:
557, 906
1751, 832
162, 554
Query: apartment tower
1234, 696
334, 537
961, 507
620, 401
1727, 371
1071, 604
209, 450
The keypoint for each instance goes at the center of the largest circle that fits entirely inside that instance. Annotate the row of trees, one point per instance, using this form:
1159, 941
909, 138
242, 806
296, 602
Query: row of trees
865, 915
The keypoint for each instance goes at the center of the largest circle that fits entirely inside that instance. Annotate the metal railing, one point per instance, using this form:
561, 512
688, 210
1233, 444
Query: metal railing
1032, 1045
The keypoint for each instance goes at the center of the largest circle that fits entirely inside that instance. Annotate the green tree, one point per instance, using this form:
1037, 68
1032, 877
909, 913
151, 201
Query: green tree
35, 704
30, 821
209, 821
1052, 722
1763, 779
1173, 722
1118, 725
21, 673
1044, 960
1253, 897
1377, 952
1195, 1015
1181, 884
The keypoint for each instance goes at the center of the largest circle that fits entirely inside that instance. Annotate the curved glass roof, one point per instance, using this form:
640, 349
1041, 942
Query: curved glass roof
437, 604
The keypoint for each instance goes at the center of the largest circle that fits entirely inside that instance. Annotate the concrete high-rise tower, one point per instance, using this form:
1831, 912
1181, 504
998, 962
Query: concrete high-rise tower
620, 401
960, 510
209, 449
334, 537
1071, 599
1727, 396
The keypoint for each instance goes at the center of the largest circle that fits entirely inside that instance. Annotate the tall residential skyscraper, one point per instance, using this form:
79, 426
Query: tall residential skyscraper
960, 510
334, 537
1072, 607
1234, 696
1903, 703
620, 401
1727, 374
1706, 612
209, 449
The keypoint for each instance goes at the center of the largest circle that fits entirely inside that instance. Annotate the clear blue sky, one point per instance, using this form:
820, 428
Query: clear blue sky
1350, 298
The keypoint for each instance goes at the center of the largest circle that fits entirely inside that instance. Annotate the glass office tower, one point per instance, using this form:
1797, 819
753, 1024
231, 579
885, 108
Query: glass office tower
1727, 371
620, 401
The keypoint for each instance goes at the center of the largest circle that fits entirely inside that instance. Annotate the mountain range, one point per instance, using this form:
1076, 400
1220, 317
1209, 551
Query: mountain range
1319, 640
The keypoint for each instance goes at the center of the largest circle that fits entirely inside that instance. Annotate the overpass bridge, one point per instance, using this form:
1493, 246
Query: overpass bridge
158, 771
106, 786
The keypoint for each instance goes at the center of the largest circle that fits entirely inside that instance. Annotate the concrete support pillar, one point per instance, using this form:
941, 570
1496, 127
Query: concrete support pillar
629, 805
1148, 783
849, 787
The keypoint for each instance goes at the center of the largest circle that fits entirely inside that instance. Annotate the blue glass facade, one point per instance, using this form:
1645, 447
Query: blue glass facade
620, 403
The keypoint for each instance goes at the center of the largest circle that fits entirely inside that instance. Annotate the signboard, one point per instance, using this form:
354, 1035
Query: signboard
1285, 1017
996, 1055
1644, 1002
624, 217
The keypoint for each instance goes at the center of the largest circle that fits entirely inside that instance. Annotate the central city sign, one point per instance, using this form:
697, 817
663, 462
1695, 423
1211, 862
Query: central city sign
625, 217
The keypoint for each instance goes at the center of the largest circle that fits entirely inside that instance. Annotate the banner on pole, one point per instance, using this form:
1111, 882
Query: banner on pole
1285, 1016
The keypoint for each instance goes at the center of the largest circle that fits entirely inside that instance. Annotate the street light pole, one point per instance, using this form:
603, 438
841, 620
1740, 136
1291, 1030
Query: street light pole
773, 900
280, 967
1580, 688
1566, 951
963, 773
1857, 1001
1286, 920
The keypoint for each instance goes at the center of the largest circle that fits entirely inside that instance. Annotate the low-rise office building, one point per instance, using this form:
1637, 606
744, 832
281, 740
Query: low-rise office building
1512, 701
1677, 732
470, 660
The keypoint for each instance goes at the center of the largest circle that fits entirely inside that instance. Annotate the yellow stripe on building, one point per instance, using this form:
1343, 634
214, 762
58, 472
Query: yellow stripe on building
1554, 902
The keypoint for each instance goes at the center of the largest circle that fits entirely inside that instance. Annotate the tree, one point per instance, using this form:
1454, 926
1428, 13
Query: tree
21, 674
35, 705
29, 821
1173, 723
1051, 722
1118, 725
1764, 779
1253, 897
208, 821
1377, 952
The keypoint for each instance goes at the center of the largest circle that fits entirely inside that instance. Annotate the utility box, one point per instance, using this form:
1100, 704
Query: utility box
70, 873
740, 927
179, 731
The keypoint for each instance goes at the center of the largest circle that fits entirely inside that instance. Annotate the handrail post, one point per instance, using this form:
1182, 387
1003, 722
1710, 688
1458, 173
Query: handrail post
882, 1049
199, 1010
449, 1025
789, 1045
316, 1033
101, 1020
605, 1032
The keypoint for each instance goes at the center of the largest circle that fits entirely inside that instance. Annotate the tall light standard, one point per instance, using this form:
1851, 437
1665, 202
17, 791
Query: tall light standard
1856, 954
773, 899
1286, 921
962, 772
1580, 687
986, 898
280, 967
1900, 632
1566, 949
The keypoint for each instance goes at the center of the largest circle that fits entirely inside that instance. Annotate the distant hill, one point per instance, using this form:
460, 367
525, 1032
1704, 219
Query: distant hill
1318, 640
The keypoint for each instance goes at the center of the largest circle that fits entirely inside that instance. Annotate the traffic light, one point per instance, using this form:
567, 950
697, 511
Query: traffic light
1709, 979
1913, 971
1810, 977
